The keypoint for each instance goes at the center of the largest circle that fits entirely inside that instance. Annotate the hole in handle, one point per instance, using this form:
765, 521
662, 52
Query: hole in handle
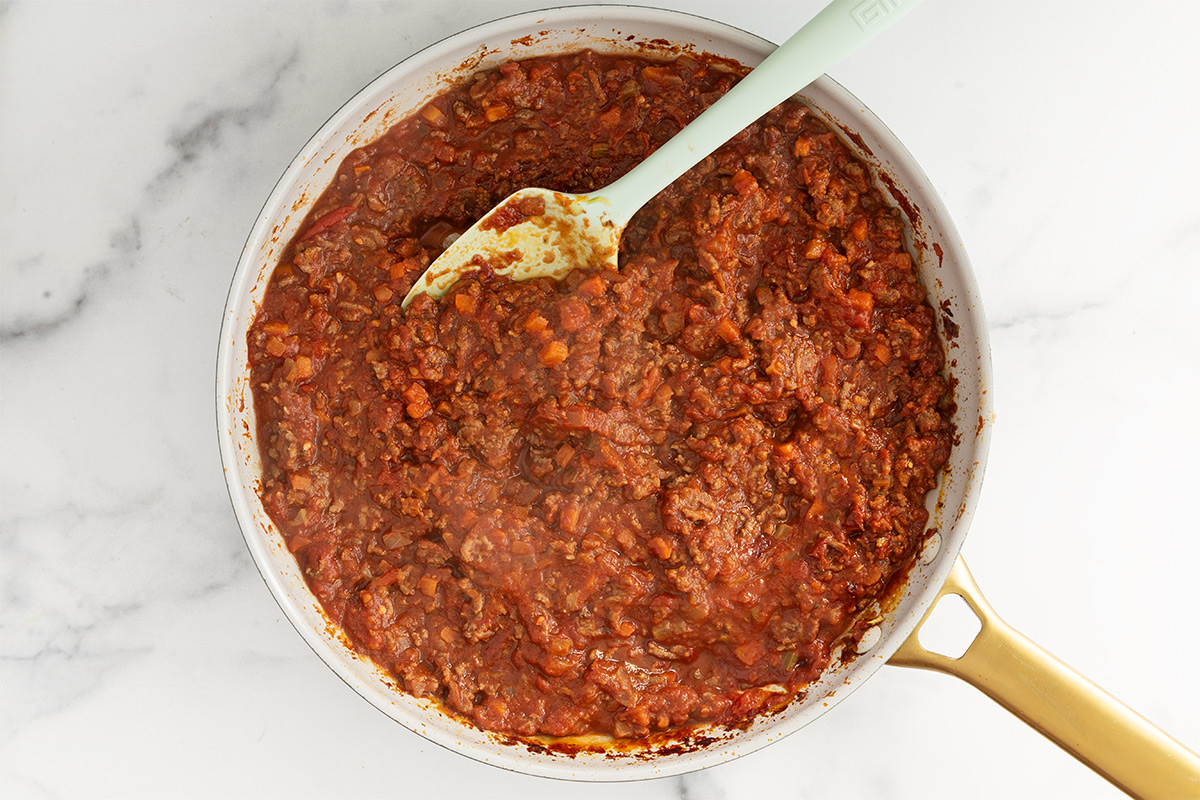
950, 627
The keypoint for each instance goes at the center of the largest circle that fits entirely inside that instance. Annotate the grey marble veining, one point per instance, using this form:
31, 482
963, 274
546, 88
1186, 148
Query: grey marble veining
138, 645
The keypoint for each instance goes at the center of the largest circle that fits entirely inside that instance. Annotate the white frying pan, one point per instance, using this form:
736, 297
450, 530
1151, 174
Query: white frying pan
1074, 713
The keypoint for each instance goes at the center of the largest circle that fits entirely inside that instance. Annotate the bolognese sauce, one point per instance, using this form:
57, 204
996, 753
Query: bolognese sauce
631, 500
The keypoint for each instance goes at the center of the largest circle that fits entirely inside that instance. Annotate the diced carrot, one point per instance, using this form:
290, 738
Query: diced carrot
564, 455
610, 116
744, 183
465, 303
418, 401
554, 352
858, 229
573, 314
301, 369
433, 114
568, 519
660, 547
862, 303
535, 322
728, 331
399, 269
592, 286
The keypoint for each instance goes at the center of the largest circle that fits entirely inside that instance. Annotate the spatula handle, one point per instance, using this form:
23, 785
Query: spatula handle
836, 31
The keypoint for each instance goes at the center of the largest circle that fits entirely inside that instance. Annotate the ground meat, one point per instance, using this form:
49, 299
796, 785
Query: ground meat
631, 500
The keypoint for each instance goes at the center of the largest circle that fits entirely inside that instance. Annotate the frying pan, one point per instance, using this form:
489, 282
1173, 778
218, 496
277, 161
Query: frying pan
1074, 713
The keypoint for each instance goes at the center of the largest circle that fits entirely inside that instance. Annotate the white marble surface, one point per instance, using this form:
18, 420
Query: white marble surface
142, 656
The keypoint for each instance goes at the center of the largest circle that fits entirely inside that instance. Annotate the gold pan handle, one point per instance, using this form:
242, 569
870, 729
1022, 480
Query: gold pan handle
1064, 706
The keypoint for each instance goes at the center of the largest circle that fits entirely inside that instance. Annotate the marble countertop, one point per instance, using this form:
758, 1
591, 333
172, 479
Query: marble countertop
142, 656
